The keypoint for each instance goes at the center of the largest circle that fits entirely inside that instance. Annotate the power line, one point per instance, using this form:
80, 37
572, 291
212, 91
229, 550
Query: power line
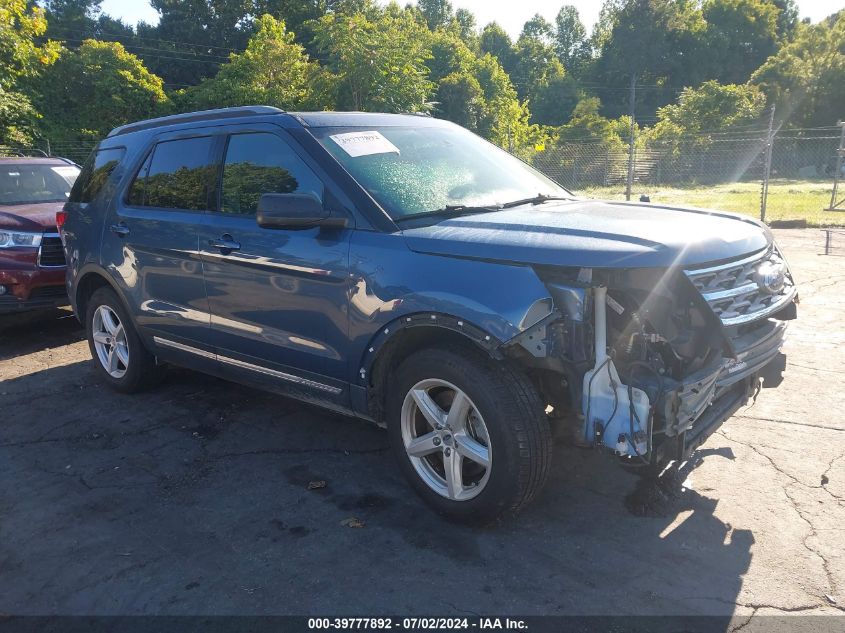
178, 55
150, 39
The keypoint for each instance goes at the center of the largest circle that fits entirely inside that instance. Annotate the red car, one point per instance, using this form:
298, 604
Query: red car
32, 260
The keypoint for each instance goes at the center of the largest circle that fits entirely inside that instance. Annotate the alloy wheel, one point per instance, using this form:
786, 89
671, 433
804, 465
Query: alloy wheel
446, 439
110, 342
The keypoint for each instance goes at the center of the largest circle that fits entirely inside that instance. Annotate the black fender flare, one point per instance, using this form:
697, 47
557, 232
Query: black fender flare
94, 270
387, 333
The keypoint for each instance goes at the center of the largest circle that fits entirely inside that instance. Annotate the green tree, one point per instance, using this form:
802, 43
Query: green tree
588, 125
570, 38
449, 54
376, 64
476, 92
806, 78
21, 60
683, 129
536, 61
496, 41
193, 37
72, 19
712, 107
461, 99
555, 99
467, 27
77, 20
300, 15
504, 119
787, 18
740, 36
538, 74
18, 118
659, 42
273, 70
90, 90
538, 28
437, 13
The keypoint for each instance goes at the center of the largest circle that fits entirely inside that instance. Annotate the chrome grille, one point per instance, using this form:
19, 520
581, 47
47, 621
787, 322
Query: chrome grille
51, 253
734, 293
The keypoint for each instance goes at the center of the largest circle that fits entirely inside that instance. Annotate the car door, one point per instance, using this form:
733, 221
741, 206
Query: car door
278, 298
150, 244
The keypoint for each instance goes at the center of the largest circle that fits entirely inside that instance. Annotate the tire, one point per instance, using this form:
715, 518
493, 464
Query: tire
118, 354
500, 417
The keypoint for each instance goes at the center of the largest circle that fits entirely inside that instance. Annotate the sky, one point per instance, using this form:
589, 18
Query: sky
510, 15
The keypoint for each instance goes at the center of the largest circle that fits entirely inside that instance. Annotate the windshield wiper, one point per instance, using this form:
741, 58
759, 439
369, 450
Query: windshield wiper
451, 211
538, 199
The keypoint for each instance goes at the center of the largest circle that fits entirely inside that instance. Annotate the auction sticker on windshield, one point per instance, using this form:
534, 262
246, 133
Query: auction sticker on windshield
364, 143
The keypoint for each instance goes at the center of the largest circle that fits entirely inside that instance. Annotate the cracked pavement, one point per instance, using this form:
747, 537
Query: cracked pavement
194, 499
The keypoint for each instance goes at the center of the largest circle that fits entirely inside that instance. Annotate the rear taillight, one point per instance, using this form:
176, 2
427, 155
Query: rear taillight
61, 217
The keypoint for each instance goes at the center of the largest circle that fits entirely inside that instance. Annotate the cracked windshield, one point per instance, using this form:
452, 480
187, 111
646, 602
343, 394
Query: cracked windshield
418, 170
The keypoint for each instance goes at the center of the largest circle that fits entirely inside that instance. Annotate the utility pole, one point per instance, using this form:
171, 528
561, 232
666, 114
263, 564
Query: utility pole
630, 182
767, 170
838, 205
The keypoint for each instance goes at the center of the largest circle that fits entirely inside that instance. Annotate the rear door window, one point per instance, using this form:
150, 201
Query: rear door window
95, 173
178, 174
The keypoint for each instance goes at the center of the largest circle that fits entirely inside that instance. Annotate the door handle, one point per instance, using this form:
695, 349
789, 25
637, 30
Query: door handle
225, 243
121, 230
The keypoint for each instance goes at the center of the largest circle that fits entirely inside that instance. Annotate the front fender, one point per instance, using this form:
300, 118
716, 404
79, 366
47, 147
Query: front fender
390, 282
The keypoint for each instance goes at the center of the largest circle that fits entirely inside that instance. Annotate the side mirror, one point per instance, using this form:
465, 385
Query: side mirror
295, 211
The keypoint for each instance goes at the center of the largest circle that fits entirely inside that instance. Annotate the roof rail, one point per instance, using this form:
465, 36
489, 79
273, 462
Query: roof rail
192, 117
22, 152
65, 160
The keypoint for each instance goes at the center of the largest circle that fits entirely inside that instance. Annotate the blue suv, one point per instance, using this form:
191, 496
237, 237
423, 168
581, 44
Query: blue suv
400, 269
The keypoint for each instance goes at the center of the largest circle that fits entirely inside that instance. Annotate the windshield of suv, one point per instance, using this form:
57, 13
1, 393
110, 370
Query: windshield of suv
420, 170
32, 183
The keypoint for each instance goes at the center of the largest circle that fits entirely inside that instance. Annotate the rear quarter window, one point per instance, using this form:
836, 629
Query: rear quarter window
95, 173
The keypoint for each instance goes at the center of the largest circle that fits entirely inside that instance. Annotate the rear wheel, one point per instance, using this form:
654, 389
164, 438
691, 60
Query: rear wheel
118, 353
470, 434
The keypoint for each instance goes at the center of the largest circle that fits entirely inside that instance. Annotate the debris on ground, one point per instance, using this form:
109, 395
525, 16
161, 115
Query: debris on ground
352, 522
316, 485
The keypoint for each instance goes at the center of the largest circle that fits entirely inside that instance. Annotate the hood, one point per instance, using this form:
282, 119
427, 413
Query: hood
29, 217
593, 234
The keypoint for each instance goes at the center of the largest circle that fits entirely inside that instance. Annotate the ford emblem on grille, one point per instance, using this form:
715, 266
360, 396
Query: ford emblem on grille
771, 276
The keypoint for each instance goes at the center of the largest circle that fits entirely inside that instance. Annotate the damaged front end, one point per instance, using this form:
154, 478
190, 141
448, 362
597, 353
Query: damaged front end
647, 363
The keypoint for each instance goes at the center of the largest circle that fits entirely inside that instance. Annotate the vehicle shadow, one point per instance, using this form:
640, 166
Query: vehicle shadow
29, 332
772, 374
206, 497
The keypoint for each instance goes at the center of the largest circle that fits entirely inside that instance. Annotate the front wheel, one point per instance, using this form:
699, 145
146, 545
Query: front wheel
470, 434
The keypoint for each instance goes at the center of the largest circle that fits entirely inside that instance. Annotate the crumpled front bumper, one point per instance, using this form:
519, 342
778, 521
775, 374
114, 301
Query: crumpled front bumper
698, 406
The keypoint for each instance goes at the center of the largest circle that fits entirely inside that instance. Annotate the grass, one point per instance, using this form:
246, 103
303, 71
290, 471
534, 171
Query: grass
788, 199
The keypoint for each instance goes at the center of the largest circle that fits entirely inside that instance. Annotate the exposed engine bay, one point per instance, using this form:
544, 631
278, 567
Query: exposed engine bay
647, 363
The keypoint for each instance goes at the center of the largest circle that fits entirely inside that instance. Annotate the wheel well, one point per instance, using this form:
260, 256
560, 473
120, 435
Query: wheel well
403, 344
86, 287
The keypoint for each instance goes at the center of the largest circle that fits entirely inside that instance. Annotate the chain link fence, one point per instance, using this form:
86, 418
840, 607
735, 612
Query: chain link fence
722, 171
77, 152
